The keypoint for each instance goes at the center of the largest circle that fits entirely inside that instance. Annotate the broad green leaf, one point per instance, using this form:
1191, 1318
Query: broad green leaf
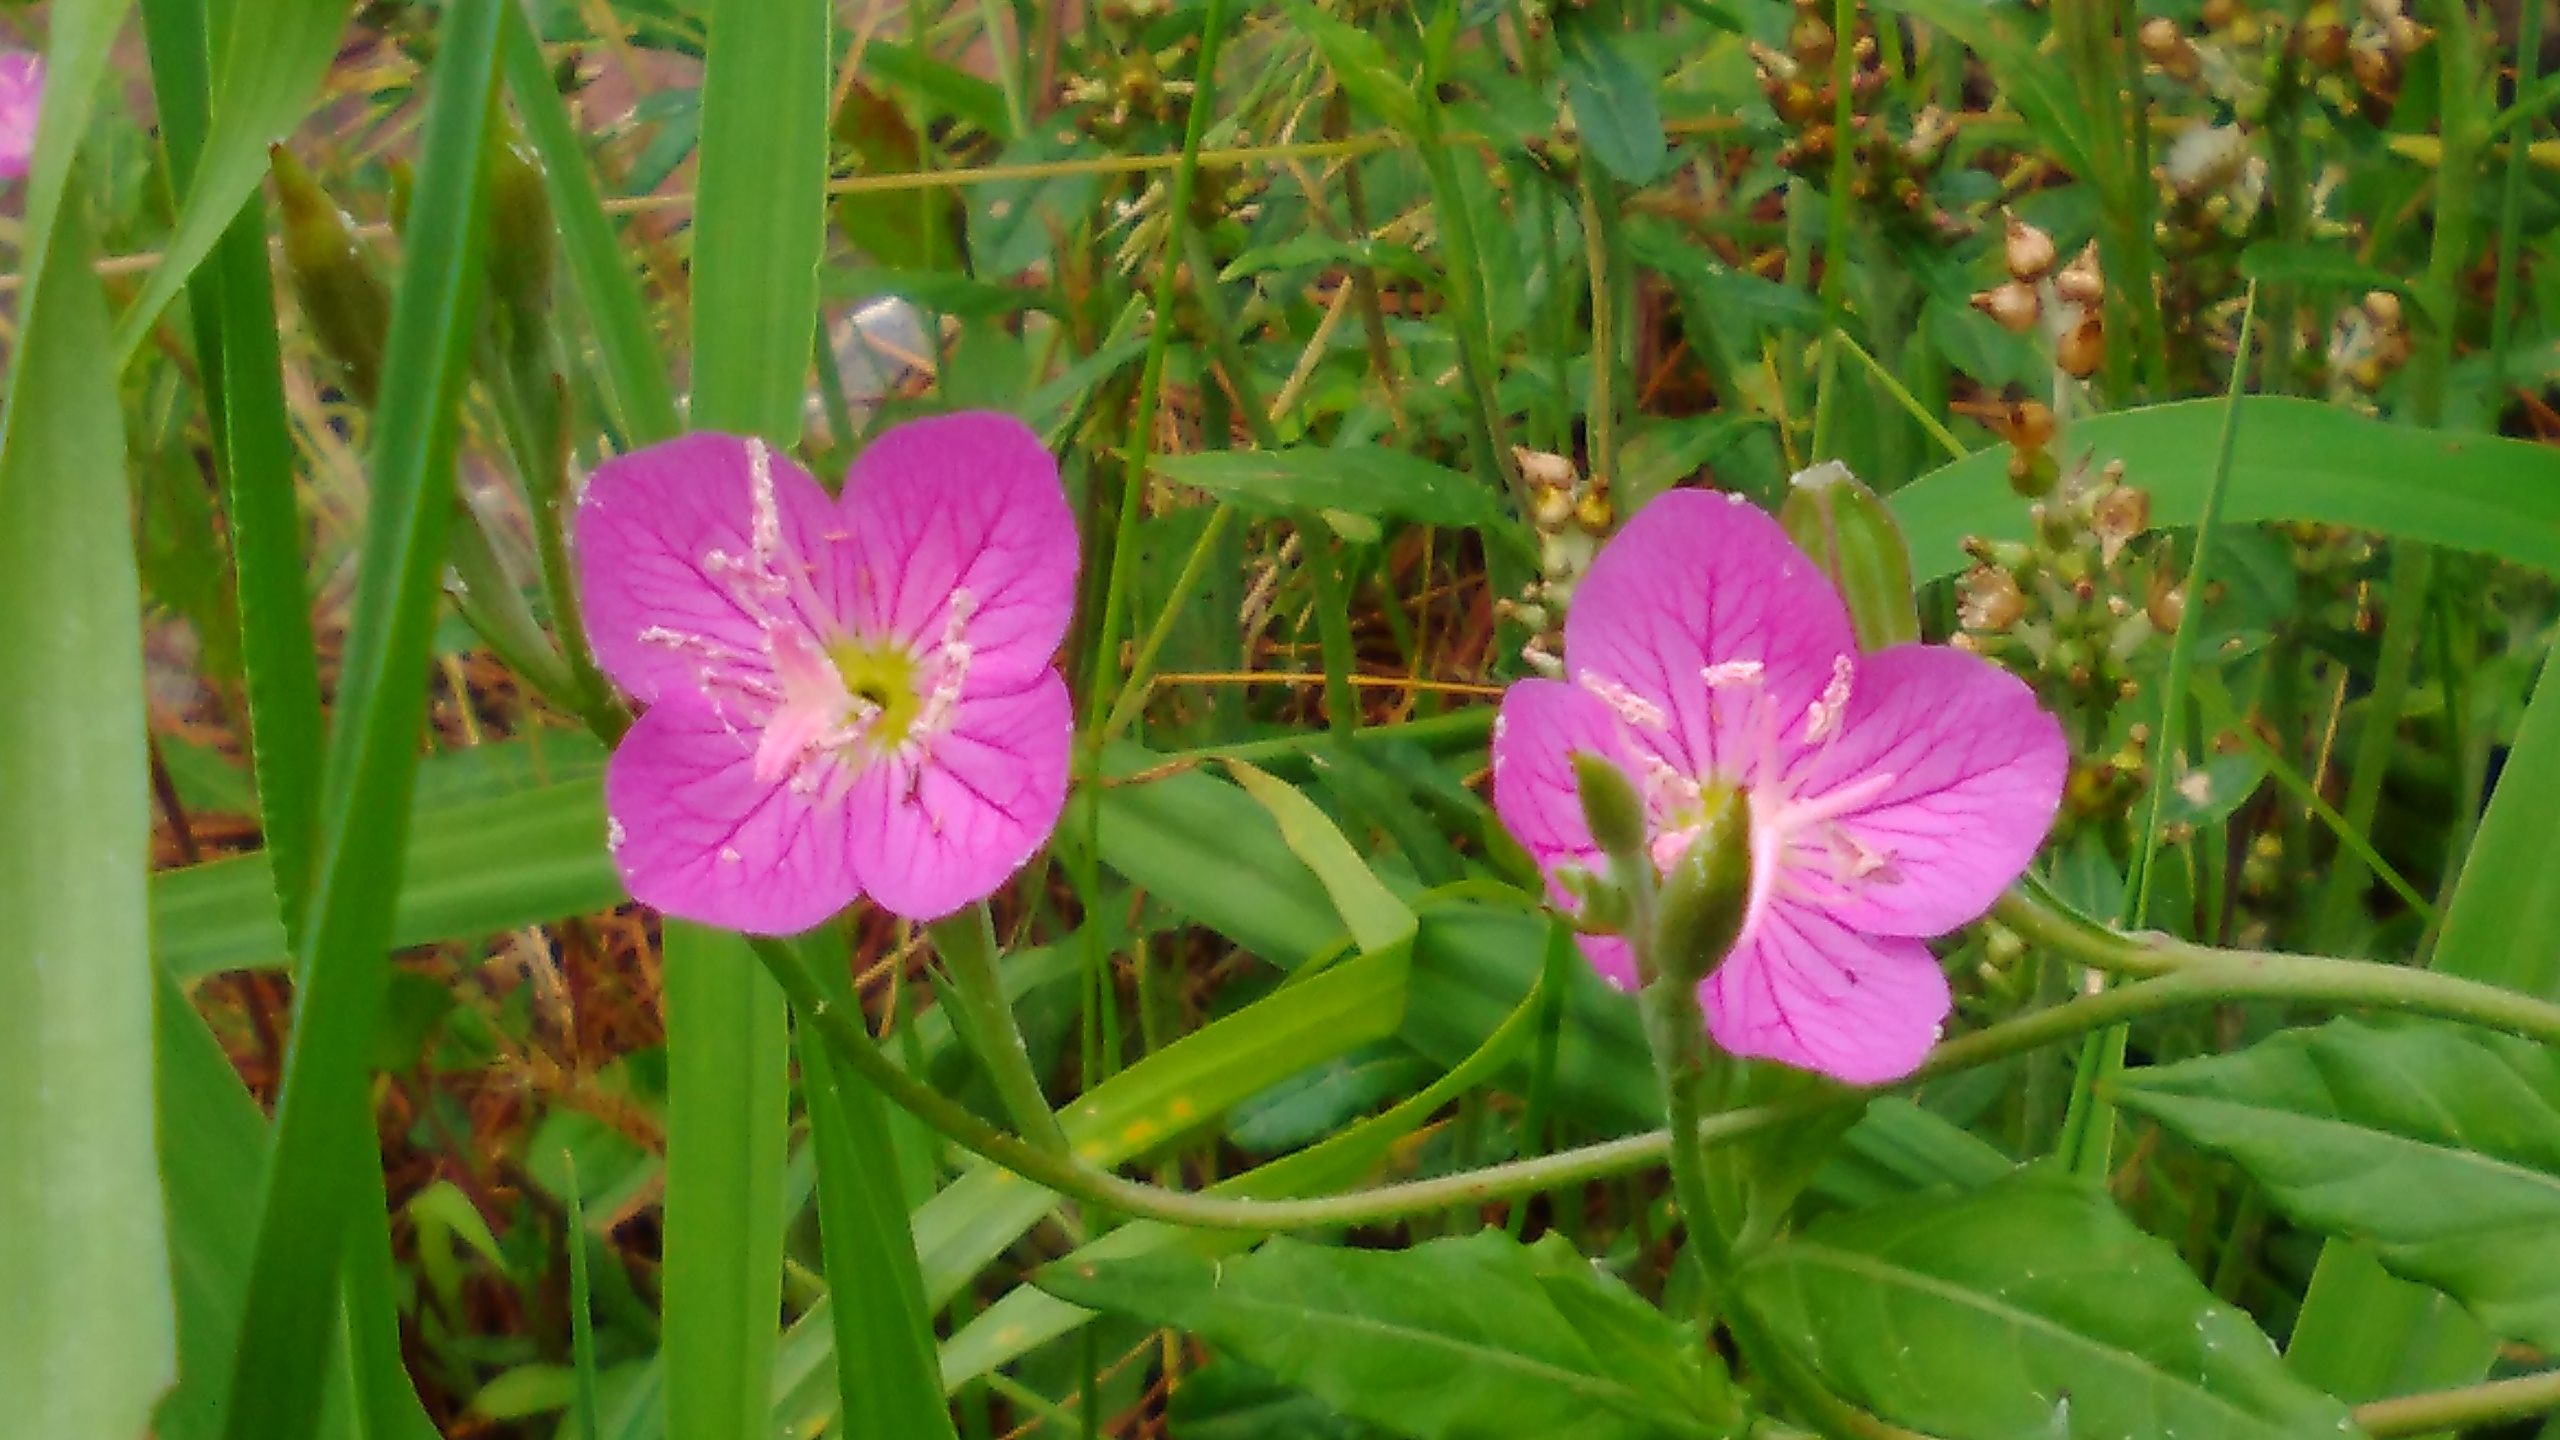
2296, 460
87, 1335
268, 64
1356, 480
321, 1120
1615, 113
1447, 1339
2438, 1145
2029, 1308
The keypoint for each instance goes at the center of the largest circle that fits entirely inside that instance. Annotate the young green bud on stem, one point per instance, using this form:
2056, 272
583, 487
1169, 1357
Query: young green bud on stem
334, 277
1706, 894
1612, 808
1845, 529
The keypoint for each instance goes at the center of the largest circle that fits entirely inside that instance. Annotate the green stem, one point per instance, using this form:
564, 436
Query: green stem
1486, 441
1133, 694
2181, 976
967, 944
1601, 421
2521, 1398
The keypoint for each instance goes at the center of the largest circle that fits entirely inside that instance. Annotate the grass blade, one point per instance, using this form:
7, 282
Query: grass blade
301, 1229
759, 225
271, 58
635, 373
87, 1337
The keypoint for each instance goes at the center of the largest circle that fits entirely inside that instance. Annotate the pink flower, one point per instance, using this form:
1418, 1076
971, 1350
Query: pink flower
1892, 796
21, 96
846, 697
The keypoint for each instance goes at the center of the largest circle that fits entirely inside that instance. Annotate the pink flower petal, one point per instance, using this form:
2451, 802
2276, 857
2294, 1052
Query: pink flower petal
21, 99
933, 831
1543, 724
1805, 991
1699, 580
697, 836
676, 598
1977, 768
964, 503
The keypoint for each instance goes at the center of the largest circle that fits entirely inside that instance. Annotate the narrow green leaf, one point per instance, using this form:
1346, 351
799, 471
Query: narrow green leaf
2031, 1307
2437, 1144
2506, 906
1356, 480
1615, 112
1376, 917
599, 266
2296, 460
87, 1336
302, 1220
727, 1091
1360, 65
269, 60
759, 228
1451, 1338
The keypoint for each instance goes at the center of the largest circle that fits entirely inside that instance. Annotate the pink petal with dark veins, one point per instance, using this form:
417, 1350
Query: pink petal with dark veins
964, 503
1806, 991
676, 585
1977, 768
1697, 580
697, 836
933, 832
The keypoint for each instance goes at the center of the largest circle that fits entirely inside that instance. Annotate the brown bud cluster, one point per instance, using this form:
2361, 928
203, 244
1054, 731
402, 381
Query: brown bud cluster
2067, 305
1891, 163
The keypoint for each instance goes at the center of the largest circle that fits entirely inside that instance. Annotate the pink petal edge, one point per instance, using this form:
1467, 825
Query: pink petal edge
1541, 726
1699, 579
698, 837
1807, 992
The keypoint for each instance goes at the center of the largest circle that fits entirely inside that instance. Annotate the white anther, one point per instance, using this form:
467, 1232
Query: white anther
1631, 707
1732, 672
765, 509
729, 856
1822, 717
614, 834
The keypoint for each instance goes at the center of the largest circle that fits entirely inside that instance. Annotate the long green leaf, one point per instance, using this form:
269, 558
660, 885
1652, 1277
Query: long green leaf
302, 1219
1476, 1337
635, 373
1358, 479
2296, 460
2032, 1307
270, 60
87, 1336
2439, 1145
759, 226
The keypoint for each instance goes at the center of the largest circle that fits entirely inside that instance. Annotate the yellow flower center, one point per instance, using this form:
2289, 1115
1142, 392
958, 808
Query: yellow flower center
884, 677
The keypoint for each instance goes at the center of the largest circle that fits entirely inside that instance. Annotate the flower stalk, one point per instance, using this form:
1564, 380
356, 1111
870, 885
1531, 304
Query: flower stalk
967, 944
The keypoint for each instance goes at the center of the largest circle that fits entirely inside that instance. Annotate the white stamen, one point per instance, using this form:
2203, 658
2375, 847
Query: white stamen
1631, 707
1822, 717
614, 834
1732, 672
766, 535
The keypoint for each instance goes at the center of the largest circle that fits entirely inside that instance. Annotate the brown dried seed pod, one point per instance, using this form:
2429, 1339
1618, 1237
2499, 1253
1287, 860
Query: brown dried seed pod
2026, 250
2165, 44
2118, 516
2082, 348
2081, 282
2013, 304
1991, 599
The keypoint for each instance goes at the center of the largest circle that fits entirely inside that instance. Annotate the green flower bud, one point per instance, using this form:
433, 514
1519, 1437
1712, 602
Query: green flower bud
333, 276
1706, 895
1846, 530
1602, 903
520, 235
1611, 807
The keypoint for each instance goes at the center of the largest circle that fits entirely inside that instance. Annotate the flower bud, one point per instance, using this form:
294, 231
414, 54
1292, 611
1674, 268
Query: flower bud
333, 276
1611, 807
1810, 40
2166, 45
2013, 304
1707, 894
520, 235
2027, 251
2032, 473
1600, 905
2324, 35
1845, 529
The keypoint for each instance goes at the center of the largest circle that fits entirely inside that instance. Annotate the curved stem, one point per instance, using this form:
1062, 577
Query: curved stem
967, 944
2181, 975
